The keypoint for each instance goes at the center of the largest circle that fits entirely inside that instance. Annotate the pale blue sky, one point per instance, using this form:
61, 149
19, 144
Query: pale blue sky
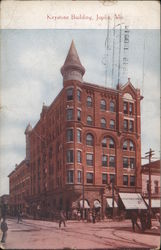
30, 75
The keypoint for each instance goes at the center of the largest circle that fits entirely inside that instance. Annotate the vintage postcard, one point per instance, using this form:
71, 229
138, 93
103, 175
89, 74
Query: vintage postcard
80, 125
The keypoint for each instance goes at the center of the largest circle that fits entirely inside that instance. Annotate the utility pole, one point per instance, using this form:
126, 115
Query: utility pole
83, 194
113, 198
149, 156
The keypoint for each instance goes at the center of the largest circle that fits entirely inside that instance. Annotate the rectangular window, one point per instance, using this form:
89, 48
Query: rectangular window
125, 180
69, 135
70, 158
79, 135
104, 160
112, 161
78, 115
104, 179
112, 178
89, 102
69, 114
90, 178
70, 176
132, 180
125, 108
79, 176
131, 126
112, 124
132, 163
125, 125
89, 159
78, 95
125, 162
130, 108
69, 94
156, 187
79, 156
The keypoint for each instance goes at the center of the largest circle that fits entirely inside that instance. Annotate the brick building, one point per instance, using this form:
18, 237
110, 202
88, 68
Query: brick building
155, 183
88, 138
19, 183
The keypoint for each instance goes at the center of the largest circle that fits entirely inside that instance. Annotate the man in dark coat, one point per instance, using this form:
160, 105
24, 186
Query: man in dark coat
62, 218
134, 218
4, 229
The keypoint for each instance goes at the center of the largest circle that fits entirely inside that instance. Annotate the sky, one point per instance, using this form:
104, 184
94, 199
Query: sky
30, 76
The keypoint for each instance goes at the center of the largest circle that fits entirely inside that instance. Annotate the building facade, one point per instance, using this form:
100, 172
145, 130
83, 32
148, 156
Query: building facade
88, 138
19, 188
155, 183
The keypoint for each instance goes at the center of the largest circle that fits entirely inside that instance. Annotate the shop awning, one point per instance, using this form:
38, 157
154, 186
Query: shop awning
85, 204
109, 202
132, 201
155, 203
97, 204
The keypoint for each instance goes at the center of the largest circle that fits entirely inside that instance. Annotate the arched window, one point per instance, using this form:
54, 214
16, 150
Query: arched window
125, 145
111, 143
131, 146
89, 140
104, 142
128, 145
112, 106
89, 101
112, 124
103, 123
89, 120
103, 105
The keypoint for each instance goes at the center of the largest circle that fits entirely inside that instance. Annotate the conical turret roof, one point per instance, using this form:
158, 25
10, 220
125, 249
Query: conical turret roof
28, 128
72, 61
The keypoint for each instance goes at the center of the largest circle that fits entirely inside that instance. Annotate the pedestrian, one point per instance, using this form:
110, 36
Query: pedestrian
4, 229
19, 215
134, 218
93, 216
62, 219
143, 220
78, 215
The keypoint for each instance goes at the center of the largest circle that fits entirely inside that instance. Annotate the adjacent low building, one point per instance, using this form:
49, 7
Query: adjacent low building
152, 169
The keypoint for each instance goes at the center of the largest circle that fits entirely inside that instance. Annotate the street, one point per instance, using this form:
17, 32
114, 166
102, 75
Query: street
35, 234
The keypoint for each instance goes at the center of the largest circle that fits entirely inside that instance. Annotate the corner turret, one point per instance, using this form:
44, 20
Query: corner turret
72, 68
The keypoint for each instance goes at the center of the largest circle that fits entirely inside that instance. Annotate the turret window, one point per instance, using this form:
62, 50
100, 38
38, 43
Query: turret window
70, 176
69, 114
69, 135
78, 95
78, 115
69, 94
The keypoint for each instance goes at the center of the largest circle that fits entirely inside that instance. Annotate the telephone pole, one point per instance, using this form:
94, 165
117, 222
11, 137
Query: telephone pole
149, 155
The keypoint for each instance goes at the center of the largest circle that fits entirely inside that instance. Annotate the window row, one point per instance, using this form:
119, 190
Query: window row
89, 101
106, 161
106, 178
106, 142
102, 122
